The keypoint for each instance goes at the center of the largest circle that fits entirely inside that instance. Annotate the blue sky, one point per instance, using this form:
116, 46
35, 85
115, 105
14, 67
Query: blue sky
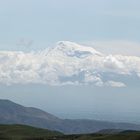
45, 22
110, 26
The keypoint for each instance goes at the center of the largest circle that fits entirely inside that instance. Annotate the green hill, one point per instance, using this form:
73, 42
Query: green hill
129, 135
22, 132
119, 136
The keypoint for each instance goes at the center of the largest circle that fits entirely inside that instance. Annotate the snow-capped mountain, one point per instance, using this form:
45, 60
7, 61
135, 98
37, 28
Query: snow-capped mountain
67, 63
75, 50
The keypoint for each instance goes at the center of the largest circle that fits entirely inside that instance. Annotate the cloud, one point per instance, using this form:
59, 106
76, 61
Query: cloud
55, 66
115, 84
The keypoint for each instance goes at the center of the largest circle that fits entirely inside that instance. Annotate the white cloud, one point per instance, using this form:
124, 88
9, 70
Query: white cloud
115, 84
93, 78
57, 67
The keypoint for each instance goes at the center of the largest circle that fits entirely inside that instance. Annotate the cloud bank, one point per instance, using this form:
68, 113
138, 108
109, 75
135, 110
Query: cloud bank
66, 63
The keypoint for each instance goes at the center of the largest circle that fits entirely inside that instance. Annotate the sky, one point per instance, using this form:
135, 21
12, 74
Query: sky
110, 27
42, 23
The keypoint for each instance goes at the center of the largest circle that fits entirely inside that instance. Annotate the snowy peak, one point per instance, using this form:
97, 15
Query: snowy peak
72, 49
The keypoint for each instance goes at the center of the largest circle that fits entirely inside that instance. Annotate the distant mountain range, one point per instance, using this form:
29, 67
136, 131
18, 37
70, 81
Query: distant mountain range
12, 113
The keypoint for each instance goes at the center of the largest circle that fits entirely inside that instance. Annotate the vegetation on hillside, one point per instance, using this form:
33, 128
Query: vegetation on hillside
23, 132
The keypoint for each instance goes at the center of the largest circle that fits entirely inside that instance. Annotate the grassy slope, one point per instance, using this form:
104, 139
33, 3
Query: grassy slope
23, 132
128, 136
18, 132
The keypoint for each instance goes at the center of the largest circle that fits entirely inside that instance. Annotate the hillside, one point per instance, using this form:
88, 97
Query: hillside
120, 136
18, 132
23, 132
12, 113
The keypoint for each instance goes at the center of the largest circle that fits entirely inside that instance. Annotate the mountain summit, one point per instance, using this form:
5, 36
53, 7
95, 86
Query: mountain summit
72, 49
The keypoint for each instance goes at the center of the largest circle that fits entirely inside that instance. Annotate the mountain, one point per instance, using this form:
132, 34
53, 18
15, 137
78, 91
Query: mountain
68, 63
71, 49
12, 113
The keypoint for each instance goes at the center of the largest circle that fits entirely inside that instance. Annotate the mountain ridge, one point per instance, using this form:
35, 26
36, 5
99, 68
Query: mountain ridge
12, 113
